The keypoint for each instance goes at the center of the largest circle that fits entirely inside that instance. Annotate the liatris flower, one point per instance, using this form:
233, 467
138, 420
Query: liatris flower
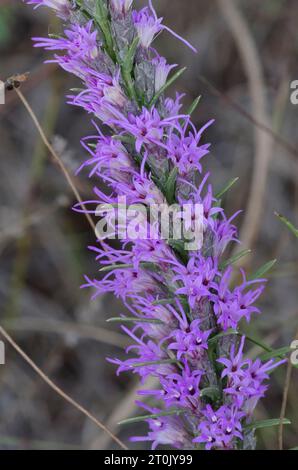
148, 25
162, 70
184, 310
62, 7
218, 429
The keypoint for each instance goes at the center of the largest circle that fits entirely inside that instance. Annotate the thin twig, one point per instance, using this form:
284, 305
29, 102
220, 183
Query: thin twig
284, 402
58, 390
56, 157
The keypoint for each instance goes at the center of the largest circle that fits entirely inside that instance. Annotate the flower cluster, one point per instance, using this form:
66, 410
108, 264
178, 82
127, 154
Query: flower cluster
245, 378
182, 302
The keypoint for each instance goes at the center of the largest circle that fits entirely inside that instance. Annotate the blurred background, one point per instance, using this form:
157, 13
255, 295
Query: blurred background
243, 71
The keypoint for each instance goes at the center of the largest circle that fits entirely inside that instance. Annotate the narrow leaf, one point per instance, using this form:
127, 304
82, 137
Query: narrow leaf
288, 224
226, 187
134, 320
111, 267
266, 423
257, 341
178, 245
164, 88
194, 105
138, 419
229, 332
239, 333
127, 67
55, 36
129, 58
235, 258
126, 139
163, 301
170, 186
280, 353
101, 18
153, 363
262, 270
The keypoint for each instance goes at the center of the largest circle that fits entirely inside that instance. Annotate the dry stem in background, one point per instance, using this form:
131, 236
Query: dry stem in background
58, 390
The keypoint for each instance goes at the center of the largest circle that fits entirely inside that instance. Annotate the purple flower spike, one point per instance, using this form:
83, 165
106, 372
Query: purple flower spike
179, 302
245, 378
191, 342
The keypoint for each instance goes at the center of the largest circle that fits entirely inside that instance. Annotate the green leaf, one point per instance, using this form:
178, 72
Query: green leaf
79, 5
126, 68
170, 186
111, 267
163, 301
58, 36
101, 17
178, 246
164, 88
280, 353
226, 187
130, 56
229, 332
256, 341
153, 363
262, 270
266, 423
233, 259
126, 139
134, 320
232, 331
138, 419
194, 105
288, 224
